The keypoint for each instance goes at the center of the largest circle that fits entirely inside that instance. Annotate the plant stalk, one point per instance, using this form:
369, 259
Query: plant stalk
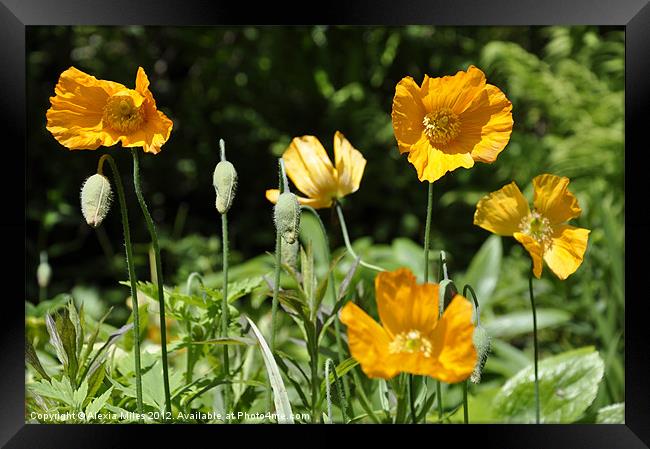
532, 304
131, 270
159, 276
224, 311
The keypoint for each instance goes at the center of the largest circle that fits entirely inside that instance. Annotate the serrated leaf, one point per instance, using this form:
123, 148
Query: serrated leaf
517, 323
98, 403
55, 340
568, 384
46, 307
32, 359
280, 397
612, 414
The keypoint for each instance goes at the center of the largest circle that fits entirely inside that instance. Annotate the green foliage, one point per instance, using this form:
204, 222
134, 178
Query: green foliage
568, 384
567, 89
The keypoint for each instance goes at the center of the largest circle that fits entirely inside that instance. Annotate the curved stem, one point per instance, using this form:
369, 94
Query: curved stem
348, 245
224, 310
476, 305
159, 276
131, 269
532, 304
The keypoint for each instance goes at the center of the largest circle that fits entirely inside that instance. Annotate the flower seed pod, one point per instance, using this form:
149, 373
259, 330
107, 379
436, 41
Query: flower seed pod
287, 217
44, 271
96, 198
481, 341
225, 184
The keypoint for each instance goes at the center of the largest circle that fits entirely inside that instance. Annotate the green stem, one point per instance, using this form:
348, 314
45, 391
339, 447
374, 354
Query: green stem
411, 393
224, 310
131, 269
315, 418
465, 407
532, 304
332, 287
348, 245
190, 350
427, 244
427, 232
159, 276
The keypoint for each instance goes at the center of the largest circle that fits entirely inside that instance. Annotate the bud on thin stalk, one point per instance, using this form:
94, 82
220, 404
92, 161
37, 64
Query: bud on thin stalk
44, 271
224, 180
287, 217
96, 198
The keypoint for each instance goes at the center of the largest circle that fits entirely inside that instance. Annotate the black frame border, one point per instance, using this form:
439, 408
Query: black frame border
15, 15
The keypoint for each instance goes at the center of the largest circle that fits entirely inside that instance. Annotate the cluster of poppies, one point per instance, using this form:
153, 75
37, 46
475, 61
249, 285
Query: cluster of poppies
443, 124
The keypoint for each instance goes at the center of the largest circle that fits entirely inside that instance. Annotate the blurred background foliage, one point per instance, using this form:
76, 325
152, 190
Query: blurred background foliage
257, 87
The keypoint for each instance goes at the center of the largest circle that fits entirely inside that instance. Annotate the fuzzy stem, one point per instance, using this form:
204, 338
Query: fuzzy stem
224, 311
348, 245
332, 287
131, 269
159, 276
532, 304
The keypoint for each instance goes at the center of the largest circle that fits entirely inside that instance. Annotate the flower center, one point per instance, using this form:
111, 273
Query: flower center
441, 126
411, 341
122, 115
538, 227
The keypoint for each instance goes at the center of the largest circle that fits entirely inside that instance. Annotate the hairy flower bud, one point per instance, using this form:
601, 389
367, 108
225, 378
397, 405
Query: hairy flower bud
287, 217
44, 271
290, 254
96, 198
481, 341
225, 184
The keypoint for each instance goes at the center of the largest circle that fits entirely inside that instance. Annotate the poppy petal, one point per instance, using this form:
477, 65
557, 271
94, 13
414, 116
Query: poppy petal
534, 249
567, 251
350, 164
553, 199
407, 114
501, 212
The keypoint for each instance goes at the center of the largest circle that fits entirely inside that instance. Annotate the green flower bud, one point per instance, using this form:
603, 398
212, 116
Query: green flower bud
289, 253
44, 271
96, 198
287, 217
481, 341
225, 184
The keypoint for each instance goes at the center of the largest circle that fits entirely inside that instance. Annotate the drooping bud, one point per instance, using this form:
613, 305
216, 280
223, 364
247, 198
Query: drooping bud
44, 271
96, 198
287, 217
225, 184
481, 341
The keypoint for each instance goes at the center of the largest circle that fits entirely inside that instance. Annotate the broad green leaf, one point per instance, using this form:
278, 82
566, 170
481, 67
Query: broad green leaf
612, 414
568, 384
143, 316
517, 323
280, 397
483, 271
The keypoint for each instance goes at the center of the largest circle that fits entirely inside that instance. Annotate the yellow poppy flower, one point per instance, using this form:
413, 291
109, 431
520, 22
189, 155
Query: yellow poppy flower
450, 122
311, 171
543, 231
411, 339
87, 113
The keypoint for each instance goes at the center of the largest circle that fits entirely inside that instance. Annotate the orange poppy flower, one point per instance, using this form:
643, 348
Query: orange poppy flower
411, 337
543, 231
310, 169
450, 122
87, 113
